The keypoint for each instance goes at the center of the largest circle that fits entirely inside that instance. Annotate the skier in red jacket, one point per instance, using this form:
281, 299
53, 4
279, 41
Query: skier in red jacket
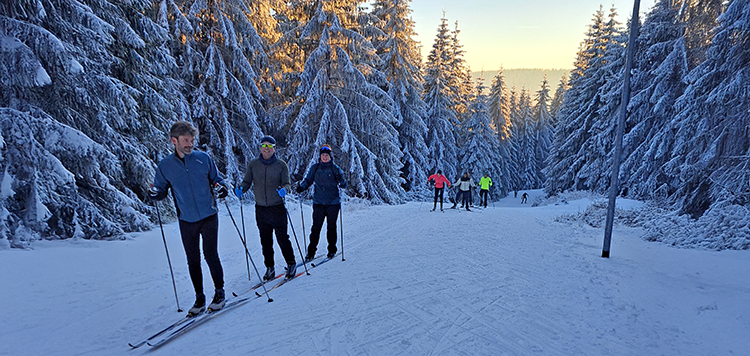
440, 182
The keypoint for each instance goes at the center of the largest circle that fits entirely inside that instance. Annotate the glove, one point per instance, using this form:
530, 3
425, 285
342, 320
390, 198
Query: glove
238, 192
300, 189
221, 191
153, 192
281, 191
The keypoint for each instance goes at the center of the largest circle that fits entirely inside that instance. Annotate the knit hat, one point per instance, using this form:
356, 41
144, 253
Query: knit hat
268, 139
326, 149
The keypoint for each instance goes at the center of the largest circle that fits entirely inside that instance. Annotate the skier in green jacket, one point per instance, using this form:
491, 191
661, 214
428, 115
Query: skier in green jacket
484, 185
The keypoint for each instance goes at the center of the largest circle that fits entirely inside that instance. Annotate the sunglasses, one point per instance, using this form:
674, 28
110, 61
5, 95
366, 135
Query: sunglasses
267, 145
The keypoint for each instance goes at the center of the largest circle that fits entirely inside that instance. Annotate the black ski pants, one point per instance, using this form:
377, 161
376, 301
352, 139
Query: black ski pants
191, 233
272, 219
483, 194
329, 213
464, 197
438, 193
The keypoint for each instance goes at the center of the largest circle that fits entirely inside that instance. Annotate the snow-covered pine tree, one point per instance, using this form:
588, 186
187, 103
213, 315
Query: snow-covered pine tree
543, 131
481, 152
219, 51
459, 78
75, 124
595, 173
660, 67
578, 113
710, 153
338, 106
525, 136
701, 18
401, 65
557, 99
441, 120
498, 107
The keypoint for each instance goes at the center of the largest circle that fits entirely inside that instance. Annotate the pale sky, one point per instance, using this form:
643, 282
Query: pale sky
516, 34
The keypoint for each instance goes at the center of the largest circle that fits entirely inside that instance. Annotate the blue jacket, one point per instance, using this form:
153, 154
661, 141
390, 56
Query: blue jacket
191, 182
327, 178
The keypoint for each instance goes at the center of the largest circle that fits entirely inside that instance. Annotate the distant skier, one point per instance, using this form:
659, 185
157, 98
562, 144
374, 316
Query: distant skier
523, 198
484, 185
327, 177
269, 177
464, 187
439, 181
192, 175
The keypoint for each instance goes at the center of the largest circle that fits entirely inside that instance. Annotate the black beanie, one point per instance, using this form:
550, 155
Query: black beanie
268, 139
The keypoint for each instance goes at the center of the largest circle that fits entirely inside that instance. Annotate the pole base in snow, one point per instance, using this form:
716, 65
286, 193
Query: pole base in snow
605, 254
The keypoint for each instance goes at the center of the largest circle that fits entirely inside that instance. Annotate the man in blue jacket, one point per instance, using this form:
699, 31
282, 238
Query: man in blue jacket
192, 175
327, 177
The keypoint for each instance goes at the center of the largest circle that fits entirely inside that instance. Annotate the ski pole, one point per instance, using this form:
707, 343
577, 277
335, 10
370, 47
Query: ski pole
302, 215
247, 253
341, 223
244, 240
283, 201
163, 238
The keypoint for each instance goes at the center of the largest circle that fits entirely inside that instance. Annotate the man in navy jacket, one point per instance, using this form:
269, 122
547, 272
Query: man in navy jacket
193, 177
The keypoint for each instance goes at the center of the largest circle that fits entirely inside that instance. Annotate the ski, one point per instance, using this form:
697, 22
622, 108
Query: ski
283, 281
255, 286
198, 320
324, 260
168, 328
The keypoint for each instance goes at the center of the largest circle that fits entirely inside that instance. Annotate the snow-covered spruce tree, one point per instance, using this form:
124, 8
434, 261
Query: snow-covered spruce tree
524, 135
401, 65
710, 153
543, 131
578, 113
595, 173
498, 107
481, 152
459, 78
660, 66
441, 120
701, 18
339, 107
557, 99
218, 51
63, 70
514, 141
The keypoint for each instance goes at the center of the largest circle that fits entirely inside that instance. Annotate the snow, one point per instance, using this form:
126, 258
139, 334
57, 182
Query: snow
506, 280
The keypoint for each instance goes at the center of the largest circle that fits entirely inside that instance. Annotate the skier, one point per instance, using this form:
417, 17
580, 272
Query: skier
439, 181
327, 177
192, 175
464, 186
484, 185
523, 198
269, 177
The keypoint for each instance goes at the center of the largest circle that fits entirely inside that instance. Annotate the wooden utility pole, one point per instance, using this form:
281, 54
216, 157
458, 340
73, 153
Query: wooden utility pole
615, 182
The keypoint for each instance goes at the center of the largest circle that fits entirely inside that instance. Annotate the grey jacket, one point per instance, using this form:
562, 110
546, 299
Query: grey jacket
266, 177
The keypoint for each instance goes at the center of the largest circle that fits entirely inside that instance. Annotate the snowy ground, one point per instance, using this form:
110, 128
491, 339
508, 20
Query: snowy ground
507, 280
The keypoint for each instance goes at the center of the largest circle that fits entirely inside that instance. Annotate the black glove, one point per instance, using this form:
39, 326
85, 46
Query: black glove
153, 192
300, 189
221, 191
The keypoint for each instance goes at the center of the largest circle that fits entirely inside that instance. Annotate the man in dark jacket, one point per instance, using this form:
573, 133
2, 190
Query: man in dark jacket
327, 177
269, 177
192, 175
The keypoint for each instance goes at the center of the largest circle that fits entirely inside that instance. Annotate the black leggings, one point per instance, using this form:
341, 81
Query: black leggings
191, 233
272, 219
438, 193
324, 212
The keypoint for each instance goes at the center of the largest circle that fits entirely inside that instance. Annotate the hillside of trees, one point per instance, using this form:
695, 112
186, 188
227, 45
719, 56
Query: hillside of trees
89, 89
529, 78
